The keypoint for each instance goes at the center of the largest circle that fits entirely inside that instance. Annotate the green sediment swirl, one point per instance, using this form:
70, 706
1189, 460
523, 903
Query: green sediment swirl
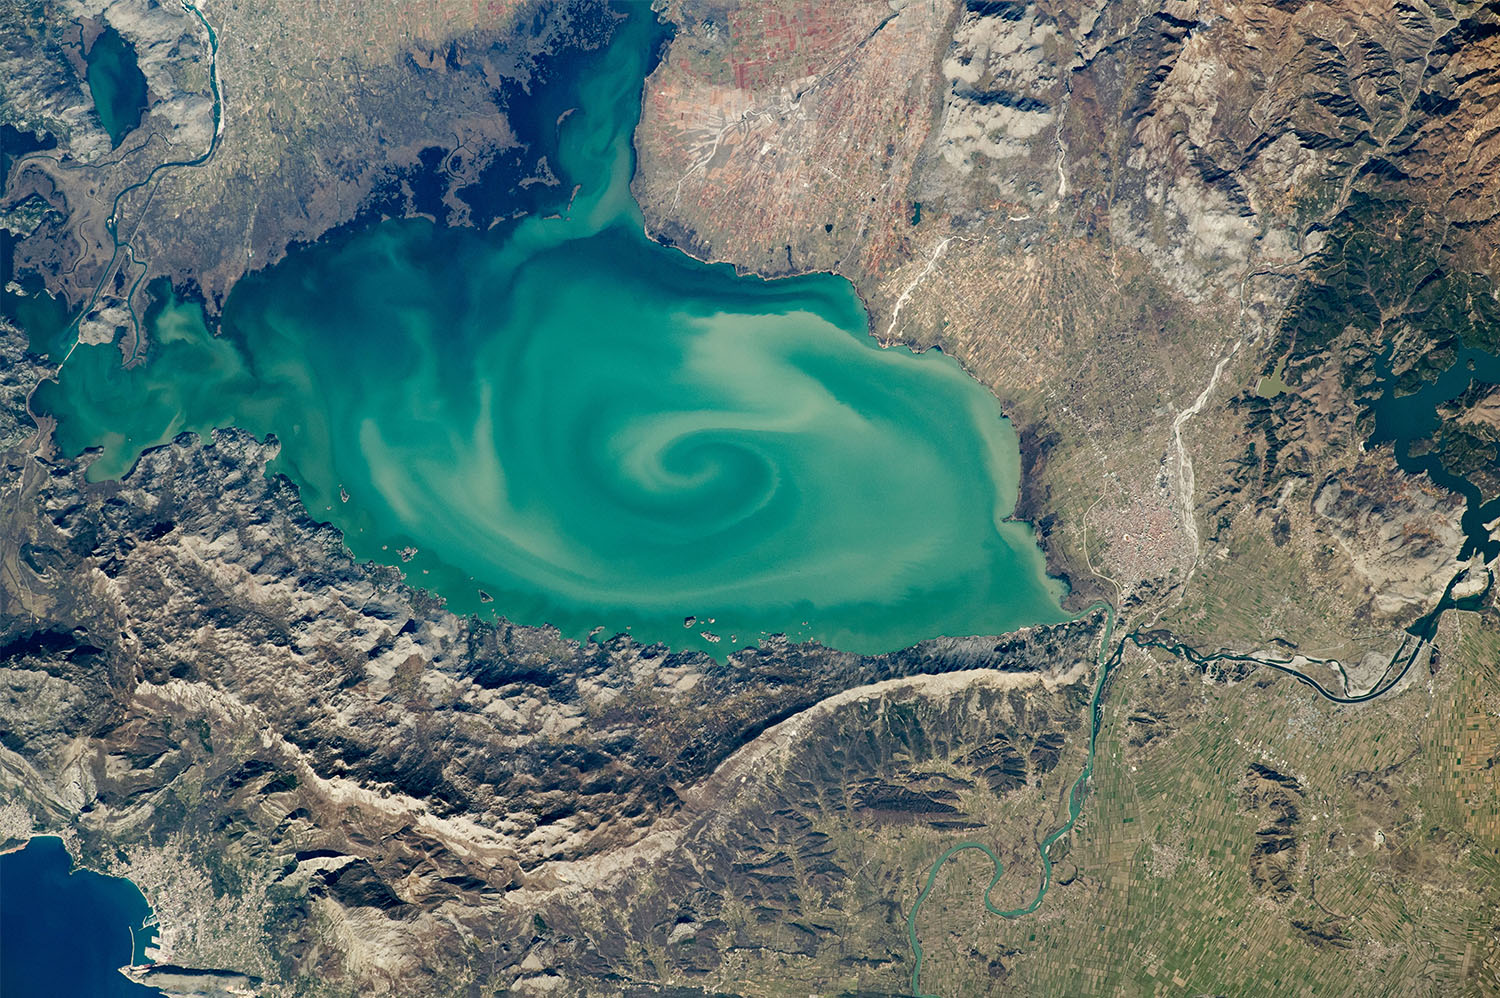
592, 430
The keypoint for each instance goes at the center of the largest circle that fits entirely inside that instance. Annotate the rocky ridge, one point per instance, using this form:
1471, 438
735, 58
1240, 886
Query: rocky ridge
1120, 217
285, 743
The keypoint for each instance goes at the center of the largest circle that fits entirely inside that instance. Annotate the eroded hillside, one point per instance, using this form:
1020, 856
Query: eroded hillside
1187, 244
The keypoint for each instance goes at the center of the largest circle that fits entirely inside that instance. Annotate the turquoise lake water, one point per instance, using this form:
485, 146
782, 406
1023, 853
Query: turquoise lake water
1406, 421
563, 422
116, 83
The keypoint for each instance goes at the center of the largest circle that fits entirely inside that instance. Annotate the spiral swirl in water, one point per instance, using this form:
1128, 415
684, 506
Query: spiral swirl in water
589, 429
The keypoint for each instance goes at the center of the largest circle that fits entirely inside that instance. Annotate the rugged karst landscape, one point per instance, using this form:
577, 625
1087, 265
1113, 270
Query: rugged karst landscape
1187, 245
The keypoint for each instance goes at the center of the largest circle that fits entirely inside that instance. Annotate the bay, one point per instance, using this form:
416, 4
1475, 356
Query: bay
563, 422
66, 933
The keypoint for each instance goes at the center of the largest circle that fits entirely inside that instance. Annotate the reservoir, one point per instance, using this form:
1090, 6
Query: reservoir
1408, 421
66, 933
562, 422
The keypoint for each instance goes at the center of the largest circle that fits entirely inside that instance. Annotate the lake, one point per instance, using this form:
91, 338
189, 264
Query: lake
1410, 420
560, 421
116, 83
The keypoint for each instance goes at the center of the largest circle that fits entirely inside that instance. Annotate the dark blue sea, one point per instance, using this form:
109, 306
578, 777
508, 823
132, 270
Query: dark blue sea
64, 934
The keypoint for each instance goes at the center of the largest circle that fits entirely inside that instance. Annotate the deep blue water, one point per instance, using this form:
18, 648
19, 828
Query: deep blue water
65, 934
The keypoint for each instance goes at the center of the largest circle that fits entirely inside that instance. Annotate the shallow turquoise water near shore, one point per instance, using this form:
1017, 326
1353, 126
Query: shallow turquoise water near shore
566, 423
65, 933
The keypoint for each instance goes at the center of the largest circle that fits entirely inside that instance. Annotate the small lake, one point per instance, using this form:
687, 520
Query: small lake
563, 422
116, 83
65, 934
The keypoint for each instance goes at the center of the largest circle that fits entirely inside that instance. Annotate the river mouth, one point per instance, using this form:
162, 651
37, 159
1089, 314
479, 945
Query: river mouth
561, 422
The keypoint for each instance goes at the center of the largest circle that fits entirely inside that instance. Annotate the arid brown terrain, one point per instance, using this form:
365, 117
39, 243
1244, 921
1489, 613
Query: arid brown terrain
1184, 243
